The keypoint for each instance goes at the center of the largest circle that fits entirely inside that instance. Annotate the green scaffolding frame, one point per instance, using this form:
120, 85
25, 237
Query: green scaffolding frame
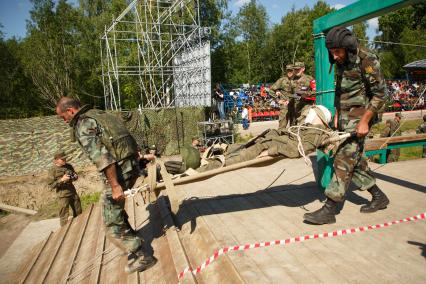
324, 75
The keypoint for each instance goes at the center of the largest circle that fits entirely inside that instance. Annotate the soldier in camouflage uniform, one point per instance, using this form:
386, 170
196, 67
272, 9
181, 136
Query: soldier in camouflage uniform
296, 83
281, 89
60, 179
422, 129
109, 145
392, 130
302, 88
279, 142
360, 93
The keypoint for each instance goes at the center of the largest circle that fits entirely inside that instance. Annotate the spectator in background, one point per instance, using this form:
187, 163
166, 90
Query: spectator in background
219, 97
245, 117
422, 129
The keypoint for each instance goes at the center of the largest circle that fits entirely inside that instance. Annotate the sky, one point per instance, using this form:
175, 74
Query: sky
15, 13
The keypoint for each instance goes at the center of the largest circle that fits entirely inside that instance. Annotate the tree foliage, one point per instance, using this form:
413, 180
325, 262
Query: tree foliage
405, 26
60, 55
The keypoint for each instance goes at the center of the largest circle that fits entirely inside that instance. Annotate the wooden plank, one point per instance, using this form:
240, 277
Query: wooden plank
68, 266
378, 143
248, 269
204, 175
180, 258
15, 209
99, 254
29, 268
84, 263
200, 244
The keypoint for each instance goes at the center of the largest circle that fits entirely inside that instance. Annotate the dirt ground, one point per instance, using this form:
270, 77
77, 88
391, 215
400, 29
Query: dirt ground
32, 192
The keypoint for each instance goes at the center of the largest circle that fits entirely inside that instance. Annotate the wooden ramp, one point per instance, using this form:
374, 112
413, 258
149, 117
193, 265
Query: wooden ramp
248, 206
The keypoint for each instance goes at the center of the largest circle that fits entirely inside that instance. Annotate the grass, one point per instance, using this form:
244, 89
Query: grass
406, 126
51, 210
409, 153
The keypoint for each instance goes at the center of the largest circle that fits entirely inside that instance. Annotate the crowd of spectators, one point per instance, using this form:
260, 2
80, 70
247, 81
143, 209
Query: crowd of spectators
403, 96
257, 99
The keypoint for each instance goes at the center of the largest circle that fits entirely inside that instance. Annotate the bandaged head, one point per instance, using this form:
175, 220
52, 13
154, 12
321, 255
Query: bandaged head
318, 115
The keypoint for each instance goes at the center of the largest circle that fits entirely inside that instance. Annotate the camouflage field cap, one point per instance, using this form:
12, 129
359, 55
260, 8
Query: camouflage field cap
289, 67
299, 64
59, 155
398, 114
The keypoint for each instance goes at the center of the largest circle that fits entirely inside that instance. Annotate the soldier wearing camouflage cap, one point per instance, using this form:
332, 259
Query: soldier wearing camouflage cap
286, 87
60, 179
360, 93
109, 145
302, 88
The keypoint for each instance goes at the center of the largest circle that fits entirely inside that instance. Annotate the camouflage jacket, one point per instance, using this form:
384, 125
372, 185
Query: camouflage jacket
292, 86
392, 130
63, 189
360, 84
421, 128
88, 133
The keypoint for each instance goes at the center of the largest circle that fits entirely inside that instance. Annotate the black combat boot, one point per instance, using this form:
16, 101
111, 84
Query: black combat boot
379, 201
325, 215
140, 261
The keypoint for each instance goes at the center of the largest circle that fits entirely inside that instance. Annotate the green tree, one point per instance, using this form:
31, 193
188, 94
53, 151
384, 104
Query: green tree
51, 49
17, 96
252, 25
407, 25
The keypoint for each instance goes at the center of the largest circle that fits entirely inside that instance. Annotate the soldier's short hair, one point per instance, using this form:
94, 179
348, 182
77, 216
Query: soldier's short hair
68, 102
299, 64
398, 114
59, 155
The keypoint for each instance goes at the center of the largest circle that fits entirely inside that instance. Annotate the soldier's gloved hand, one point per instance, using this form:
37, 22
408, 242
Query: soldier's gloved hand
117, 192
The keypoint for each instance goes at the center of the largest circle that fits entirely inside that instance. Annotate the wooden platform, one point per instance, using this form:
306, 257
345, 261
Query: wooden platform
247, 206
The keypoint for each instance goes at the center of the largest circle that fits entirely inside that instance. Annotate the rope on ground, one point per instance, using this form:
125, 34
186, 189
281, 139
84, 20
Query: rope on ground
298, 239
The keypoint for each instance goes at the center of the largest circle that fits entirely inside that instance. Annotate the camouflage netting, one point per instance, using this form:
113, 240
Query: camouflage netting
27, 146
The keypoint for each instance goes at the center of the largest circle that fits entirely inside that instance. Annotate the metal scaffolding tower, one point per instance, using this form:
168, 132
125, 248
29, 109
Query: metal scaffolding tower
156, 53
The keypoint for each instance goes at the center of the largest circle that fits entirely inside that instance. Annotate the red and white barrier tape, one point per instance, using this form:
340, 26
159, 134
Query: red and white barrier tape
294, 240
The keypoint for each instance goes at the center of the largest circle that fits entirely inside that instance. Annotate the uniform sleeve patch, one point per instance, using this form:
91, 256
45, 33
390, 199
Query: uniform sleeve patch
369, 69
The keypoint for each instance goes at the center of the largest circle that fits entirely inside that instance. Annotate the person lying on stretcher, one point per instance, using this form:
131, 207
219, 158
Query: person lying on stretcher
309, 134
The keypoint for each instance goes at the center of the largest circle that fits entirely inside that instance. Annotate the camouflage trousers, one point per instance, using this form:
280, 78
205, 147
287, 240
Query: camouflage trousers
117, 227
350, 163
72, 201
278, 143
392, 155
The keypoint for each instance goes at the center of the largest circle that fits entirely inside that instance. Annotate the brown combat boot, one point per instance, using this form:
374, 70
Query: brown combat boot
140, 261
379, 201
325, 215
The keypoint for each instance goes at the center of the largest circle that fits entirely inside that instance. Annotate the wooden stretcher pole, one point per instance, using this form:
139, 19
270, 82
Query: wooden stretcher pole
208, 174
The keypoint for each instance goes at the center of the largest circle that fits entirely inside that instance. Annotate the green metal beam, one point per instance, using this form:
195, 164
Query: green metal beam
359, 11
